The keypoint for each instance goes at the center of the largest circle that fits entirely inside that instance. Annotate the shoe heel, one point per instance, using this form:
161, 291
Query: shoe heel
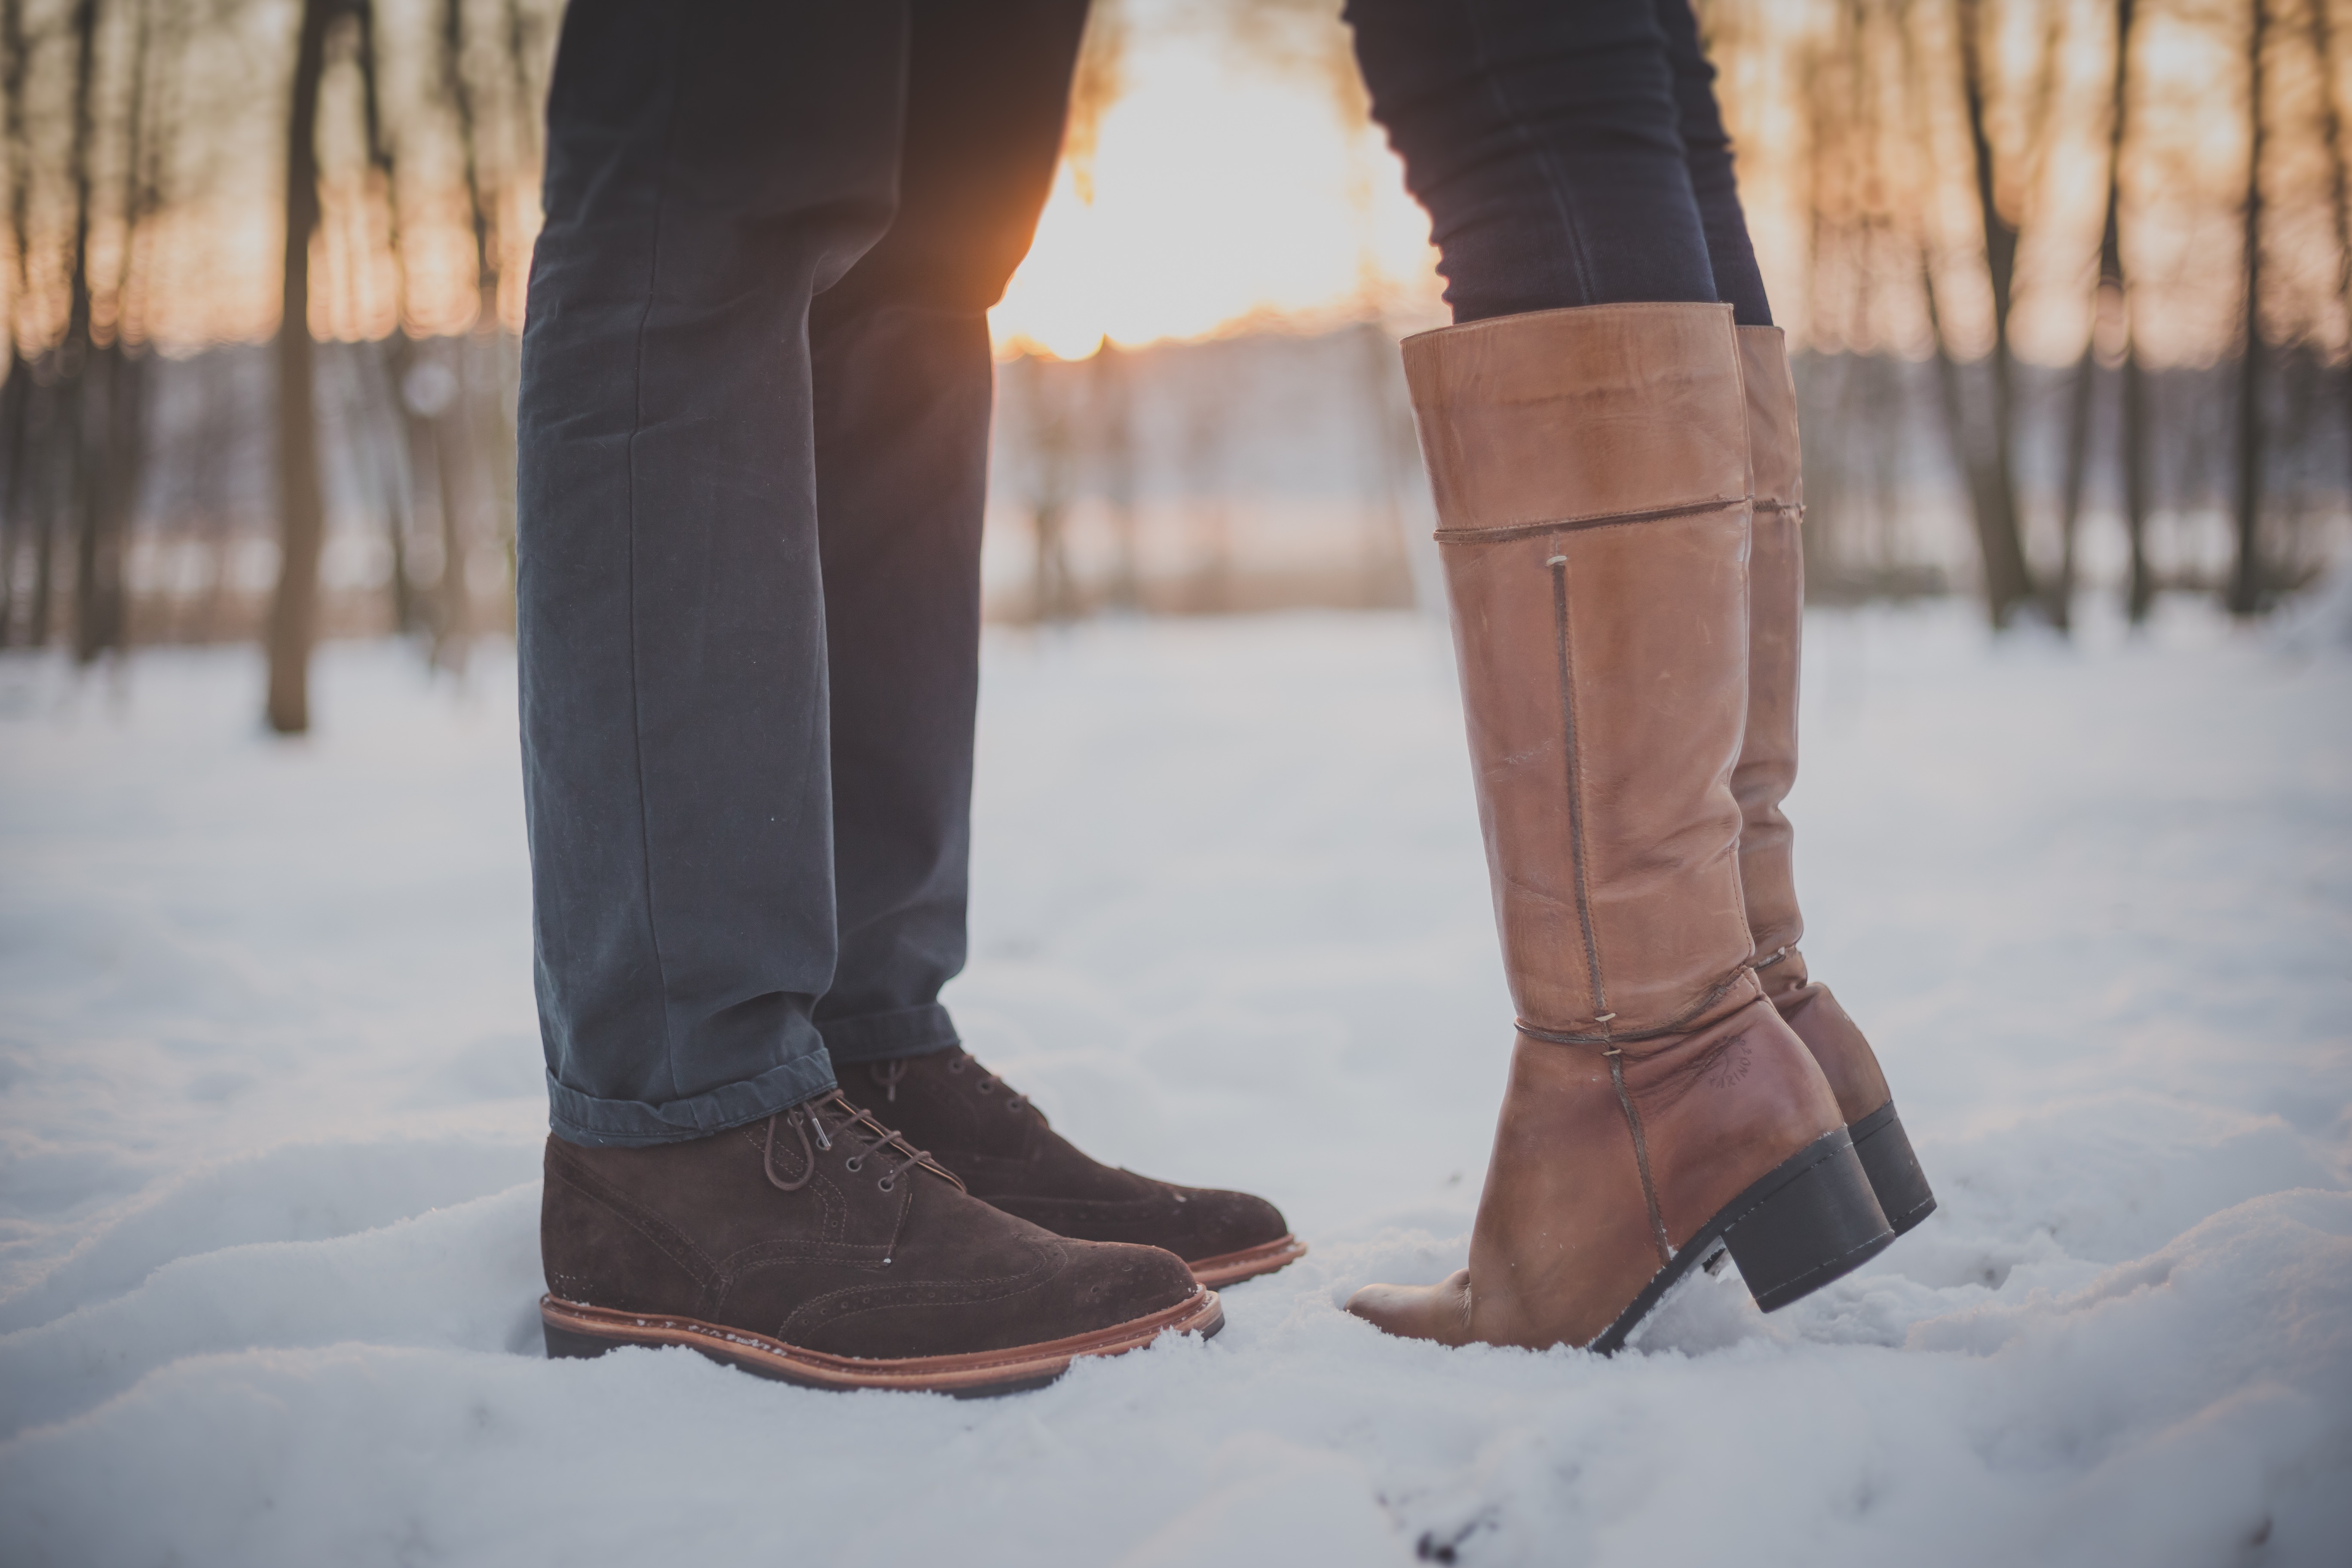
1810, 1221
1885, 1150
564, 1344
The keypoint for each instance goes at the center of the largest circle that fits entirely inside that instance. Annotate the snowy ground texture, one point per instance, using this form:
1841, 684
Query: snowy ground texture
269, 1119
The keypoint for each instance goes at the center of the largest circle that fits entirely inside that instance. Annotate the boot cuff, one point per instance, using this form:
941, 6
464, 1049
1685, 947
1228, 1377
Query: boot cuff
1589, 414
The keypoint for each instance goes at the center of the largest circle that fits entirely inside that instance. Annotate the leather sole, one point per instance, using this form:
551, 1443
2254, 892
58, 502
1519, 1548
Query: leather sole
575, 1329
1810, 1219
1885, 1150
1250, 1262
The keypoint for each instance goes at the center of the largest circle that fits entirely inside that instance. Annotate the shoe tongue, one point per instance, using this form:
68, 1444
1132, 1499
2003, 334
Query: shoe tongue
936, 1101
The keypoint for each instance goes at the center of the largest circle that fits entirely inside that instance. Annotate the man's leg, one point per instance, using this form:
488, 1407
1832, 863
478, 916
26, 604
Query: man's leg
710, 168
902, 404
903, 380
714, 167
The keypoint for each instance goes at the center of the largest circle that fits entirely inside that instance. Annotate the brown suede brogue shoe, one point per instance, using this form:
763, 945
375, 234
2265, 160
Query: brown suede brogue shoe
819, 1247
1004, 1151
1766, 771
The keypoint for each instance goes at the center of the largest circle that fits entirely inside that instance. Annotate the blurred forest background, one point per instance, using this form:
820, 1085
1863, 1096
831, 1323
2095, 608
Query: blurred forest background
2069, 283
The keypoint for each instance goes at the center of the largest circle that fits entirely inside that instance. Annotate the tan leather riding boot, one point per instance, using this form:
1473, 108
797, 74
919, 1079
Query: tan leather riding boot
1768, 769
1591, 474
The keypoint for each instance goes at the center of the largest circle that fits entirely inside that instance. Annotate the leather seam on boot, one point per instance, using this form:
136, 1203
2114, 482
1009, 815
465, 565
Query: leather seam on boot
1680, 1024
1511, 530
1602, 1013
700, 1267
1641, 1154
1559, 565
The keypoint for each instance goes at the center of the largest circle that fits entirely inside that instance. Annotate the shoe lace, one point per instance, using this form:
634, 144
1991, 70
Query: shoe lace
865, 1137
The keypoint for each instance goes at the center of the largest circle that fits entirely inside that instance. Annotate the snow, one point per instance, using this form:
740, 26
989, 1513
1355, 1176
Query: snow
269, 1118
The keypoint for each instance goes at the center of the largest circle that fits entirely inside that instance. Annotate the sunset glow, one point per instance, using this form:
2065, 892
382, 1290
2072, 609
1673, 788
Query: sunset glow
1220, 197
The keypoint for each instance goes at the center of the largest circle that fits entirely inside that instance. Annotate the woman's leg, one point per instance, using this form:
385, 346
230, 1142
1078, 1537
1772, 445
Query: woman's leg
1708, 151
1544, 140
903, 383
1587, 438
902, 378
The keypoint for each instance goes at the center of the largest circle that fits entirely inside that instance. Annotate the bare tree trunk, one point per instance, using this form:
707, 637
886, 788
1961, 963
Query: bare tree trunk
16, 415
33, 480
2247, 587
490, 438
43, 486
460, 90
1113, 417
2008, 583
1968, 452
2107, 311
1046, 427
83, 404
454, 620
302, 506
17, 400
1204, 446
2339, 186
2139, 595
2079, 406
393, 480
397, 354
117, 393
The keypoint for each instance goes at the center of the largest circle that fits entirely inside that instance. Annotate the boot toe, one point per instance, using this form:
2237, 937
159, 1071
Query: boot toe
1106, 1283
1439, 1311
1210, 1223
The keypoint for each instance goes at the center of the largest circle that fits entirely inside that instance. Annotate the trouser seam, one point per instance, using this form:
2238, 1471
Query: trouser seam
636, 427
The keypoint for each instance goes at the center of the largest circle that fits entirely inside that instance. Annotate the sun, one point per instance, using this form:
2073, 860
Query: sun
1220, 197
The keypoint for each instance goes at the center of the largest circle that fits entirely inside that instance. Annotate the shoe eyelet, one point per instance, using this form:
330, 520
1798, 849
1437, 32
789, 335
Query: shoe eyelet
853, 1163
885, 1184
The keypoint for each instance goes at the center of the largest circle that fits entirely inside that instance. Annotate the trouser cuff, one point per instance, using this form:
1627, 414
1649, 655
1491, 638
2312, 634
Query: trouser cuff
578, 1117
879, 1036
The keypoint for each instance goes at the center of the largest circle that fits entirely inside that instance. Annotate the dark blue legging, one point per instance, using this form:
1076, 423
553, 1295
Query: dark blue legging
1569, 151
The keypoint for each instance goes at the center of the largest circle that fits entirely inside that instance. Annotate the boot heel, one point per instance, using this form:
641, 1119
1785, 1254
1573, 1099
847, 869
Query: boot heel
1811, 1220
1894, 1171
564, 1344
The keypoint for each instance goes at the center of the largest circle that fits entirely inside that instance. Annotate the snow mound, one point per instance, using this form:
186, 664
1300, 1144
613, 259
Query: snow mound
269, 1135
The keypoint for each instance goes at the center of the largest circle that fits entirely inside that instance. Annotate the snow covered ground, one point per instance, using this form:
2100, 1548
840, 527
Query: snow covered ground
269, 1117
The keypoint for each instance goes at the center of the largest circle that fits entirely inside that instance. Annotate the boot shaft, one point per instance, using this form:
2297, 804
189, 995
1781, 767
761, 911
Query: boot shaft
1591, 475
